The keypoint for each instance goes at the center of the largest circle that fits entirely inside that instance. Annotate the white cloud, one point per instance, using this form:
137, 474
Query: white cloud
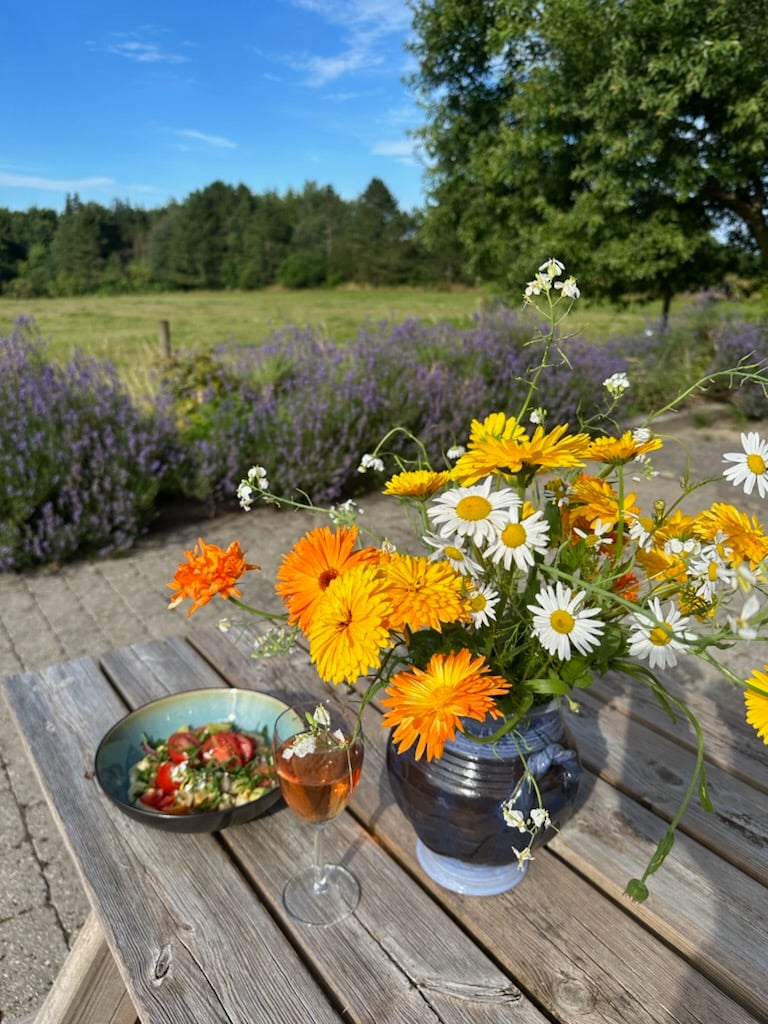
211, 140
365, 22
53, 184
145, 53
400, 149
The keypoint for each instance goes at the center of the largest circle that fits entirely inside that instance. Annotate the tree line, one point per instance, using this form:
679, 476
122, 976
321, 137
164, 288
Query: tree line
219, 237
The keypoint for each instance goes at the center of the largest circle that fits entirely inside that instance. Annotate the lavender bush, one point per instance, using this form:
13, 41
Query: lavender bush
307, 408
80, 465
736, 342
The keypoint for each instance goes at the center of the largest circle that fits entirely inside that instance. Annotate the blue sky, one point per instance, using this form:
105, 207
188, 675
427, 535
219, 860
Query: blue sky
147, 102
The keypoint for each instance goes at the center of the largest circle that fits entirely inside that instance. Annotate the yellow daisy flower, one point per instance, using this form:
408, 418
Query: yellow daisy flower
502, 446
426, 707
736, 530
757, 703
616, 451
349, 626
423, 592
417, 483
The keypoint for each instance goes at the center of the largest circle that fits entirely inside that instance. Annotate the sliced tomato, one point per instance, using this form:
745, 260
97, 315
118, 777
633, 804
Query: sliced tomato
164, 777
183, 746
246, 746
224, 748
157, 798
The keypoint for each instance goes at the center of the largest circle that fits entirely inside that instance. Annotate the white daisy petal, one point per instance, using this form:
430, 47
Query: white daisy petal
750, 466
560, 623
477, 512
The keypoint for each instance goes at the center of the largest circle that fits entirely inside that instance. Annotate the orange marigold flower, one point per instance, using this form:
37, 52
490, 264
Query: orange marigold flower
426, 707
312, 564
417, 483
757, 703
423, 592
594, 500
209, 570
349, 626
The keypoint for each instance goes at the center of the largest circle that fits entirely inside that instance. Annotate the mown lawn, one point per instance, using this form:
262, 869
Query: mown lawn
125, 329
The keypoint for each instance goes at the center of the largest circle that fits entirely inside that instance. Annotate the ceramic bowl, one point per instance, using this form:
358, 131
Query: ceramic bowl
121, 748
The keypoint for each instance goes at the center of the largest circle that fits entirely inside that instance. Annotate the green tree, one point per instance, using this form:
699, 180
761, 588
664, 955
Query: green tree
618, 135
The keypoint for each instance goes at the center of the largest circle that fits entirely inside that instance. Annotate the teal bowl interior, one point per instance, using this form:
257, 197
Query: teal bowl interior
121, 749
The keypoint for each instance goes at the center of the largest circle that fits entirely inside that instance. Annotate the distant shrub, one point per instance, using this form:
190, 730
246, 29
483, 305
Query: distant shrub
748, 342
80, 465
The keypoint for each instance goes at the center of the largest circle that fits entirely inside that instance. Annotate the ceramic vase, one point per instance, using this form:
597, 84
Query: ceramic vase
455, 803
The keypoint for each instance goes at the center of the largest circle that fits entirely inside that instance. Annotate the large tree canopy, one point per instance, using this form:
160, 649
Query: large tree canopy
615, 134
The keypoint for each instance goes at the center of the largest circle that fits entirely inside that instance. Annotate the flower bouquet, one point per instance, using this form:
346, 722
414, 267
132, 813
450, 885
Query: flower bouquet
538, 572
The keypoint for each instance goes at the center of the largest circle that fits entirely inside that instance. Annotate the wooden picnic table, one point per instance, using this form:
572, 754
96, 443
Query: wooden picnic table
191, 928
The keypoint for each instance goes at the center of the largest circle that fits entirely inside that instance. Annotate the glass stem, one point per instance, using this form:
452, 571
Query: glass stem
320, 883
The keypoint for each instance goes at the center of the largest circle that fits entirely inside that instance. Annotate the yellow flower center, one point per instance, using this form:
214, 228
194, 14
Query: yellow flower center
660, 635
756, 463
713, 572
562, 621
513, 535
478, 602
474, 508
455, 554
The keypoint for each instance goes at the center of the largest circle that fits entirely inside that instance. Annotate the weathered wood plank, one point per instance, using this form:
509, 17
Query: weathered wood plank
655, 772
732, 744
89, 988
706, 909
155, 890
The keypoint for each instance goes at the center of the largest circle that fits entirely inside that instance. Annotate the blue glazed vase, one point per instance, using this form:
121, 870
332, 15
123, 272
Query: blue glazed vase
455, 802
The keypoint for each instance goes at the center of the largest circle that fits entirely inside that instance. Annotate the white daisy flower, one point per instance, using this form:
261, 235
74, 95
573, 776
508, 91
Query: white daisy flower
599, 537
638, 533
750, 466
478, 512
709, 571
449, 549
740, 624
482, 604
518, 540
659, 641
455, 452
560, 624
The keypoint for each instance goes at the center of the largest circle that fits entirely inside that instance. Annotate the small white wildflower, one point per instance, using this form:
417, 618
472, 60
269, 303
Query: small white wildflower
224, 625
322, 716
616, 385
345, 514
455, 452
245, 495
514, 818
523, 856
540, 817
569, 288
538, 415
370, 462
552, 268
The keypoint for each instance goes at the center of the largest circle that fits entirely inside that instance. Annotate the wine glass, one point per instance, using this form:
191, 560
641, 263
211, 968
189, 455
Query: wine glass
318, 757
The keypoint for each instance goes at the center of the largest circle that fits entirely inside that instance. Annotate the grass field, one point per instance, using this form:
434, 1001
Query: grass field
125, 329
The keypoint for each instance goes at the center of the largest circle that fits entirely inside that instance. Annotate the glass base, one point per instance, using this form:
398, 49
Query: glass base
337, 899
469, 879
